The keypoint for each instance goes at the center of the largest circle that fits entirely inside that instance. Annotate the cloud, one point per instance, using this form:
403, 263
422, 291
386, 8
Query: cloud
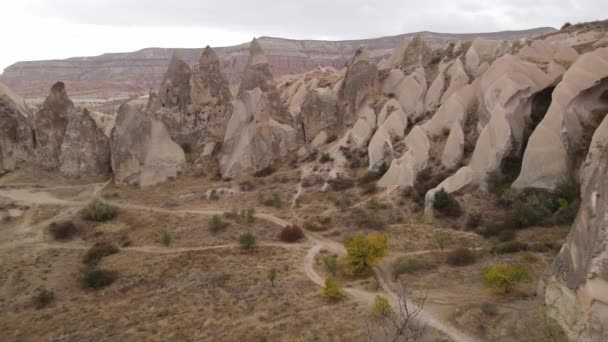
43, 29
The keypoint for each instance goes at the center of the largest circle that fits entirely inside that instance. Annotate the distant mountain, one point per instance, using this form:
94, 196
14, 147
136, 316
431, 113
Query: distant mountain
122, 74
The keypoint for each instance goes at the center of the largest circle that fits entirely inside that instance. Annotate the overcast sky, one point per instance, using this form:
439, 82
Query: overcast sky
50, 29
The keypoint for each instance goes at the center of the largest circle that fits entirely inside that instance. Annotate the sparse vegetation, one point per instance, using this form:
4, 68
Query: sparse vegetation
43, 298
510, 247
460, 257
97, 278
332, 290
291, 233
265, 172
381, 307
97, 252
98, 210
166, 238
216, 224
341, 183
63, 230
248, 215
503, 276
330, 263
364, 251
247, 241
412, 264
272, 275
274, 200
441, 238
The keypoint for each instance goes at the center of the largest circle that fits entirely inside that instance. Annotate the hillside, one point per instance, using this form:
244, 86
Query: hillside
122, 74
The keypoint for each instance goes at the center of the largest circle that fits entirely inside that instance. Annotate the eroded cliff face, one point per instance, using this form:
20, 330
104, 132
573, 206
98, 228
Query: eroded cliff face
16, 132
124, 74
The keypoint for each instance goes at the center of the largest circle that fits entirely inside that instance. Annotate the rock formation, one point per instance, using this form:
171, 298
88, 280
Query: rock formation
142, 150
579, 103
577, 292
16, 143
319, 113
258, 74
254, 140
85, 150
360, 85
50, 124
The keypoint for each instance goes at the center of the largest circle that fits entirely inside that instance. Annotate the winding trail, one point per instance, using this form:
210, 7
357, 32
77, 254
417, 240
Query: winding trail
40, 197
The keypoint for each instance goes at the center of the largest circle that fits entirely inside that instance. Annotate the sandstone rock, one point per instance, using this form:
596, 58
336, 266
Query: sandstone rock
541, 51
85, 151
105, 122
403, 171
174, 91
577, 292
362, 130
418, 53
50, 124
143, 153
508, 88
396, 57
453, 151
456, 109
435, 91
320, 113
409, 90
392, 125
16, 133
458, 78
483, 51
360, 85
253, 139
570, 121
598, 143
319, 140
258, 74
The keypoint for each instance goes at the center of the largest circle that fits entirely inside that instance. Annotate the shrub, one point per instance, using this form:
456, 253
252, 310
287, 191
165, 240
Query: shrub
568, 191
369, 189
473, 221
503, 276
381, 307
63, 230
410, 264
272, 275
364, 251
567, 215
325, 158
441, 239
446, 204
43, 298
216, 224
371, 177
530, 257
566, 25
98, 210
291, 233
265, 172
331, 264
247, 241
547, 246
273, 201
510, 247
332, 290
460, 257
507, 235
341, 184
166, 238
248, 214
96, 279
99, 251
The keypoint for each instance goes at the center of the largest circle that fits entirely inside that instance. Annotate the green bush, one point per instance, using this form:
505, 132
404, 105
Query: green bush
446, 204
98, 210
332, 290
330, 263
510, 247
381, 307
216, 224
99, 251
43, 298
96, 279
411, 264
166, 238
248, 215
503, 276
460, 257
247, 241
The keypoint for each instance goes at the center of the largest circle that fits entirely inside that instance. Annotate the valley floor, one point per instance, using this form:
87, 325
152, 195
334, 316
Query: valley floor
203, 286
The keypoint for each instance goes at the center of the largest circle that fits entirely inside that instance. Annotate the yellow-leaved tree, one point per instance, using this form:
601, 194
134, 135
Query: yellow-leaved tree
364, 251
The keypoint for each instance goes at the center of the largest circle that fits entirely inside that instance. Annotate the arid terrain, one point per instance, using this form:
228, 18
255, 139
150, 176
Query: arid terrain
452, 189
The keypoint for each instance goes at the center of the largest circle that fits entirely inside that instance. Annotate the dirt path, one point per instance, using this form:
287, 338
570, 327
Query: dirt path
37, 197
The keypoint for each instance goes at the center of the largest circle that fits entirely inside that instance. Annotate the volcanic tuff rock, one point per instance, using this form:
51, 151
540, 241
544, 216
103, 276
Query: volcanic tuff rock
320, 113
577, 293
360, 85
257, 74
254, 140
50, 124
579, 103
142, 150
85, 151
16, 132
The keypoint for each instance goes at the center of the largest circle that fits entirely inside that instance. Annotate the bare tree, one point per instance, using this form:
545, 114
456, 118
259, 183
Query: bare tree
398, 325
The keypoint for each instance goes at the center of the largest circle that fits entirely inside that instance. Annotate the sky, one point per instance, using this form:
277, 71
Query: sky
56, 29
